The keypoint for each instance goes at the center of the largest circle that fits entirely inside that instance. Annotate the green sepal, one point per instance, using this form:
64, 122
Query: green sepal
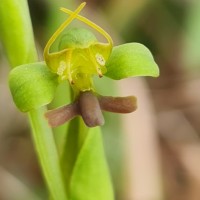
131, 59
32, 85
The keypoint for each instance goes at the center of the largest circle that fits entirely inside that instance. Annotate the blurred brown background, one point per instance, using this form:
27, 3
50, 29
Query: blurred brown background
156, 155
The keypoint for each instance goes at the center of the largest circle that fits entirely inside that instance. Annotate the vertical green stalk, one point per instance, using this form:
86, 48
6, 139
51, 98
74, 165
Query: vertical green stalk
17, 37
47, 153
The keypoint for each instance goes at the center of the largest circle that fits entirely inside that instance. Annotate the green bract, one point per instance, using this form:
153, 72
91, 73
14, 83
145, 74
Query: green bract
132, 59
90, 178
32, 86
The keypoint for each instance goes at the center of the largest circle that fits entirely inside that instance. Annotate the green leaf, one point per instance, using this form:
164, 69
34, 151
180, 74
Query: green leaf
90, 177
131, 59
16, 32
32, 86
76, 134
84, 163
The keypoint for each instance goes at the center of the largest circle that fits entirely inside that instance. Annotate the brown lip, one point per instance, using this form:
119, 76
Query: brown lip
90, 106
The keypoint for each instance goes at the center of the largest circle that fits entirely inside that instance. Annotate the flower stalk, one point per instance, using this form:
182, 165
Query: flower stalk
79, 58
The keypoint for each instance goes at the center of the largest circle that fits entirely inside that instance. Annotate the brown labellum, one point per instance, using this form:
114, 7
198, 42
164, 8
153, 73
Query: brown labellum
90, 109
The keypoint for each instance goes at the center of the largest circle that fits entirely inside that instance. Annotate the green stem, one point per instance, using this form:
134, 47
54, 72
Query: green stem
47, 153
17, 36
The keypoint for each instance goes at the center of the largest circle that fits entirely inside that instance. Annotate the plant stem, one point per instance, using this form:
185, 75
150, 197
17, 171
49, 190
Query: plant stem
17, 36
47, 153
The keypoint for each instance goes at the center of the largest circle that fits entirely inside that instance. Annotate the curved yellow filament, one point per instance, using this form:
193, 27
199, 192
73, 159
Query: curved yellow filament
90, 23
61, 28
